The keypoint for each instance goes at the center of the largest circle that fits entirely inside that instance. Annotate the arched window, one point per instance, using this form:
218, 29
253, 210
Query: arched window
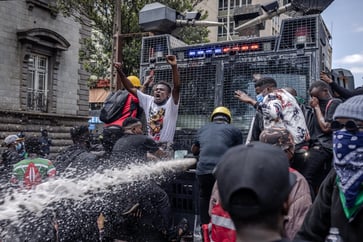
41, 49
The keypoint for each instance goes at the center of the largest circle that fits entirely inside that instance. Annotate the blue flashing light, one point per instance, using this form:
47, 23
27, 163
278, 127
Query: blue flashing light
209, 52
192, 53
218, 51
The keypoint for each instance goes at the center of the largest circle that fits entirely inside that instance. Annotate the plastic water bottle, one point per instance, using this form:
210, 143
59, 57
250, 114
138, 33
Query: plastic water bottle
333, 235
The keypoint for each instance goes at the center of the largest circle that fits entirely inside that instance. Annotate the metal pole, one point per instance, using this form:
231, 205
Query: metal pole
183, 22
265, 16
249, 135
119, 40
116, 44
228, 20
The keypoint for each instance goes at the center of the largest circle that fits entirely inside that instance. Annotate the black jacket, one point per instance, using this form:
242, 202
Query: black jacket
326, 212
346, 93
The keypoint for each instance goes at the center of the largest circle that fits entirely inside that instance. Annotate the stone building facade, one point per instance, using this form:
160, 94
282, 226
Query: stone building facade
42, 82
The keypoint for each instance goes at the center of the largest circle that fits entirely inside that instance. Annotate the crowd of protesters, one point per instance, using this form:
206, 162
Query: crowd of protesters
248, 184
136, 211
298, 175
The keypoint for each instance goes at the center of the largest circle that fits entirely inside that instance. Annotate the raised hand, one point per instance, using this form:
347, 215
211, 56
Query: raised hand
118, 65
242, 96
314, 102
171, 59
325, 77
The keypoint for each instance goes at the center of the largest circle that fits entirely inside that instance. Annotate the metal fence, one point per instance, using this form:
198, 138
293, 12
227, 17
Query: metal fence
210, 73
37, 100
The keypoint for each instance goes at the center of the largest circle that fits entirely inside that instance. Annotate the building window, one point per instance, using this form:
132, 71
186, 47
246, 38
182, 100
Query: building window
284, 2
37, 86
222, 5
246, 2
222, 30
41, 50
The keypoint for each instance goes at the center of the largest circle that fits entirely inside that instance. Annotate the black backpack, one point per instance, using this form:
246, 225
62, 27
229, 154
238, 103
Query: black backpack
113, 106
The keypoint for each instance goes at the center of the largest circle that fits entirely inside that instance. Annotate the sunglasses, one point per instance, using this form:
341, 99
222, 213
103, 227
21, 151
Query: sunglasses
350, 126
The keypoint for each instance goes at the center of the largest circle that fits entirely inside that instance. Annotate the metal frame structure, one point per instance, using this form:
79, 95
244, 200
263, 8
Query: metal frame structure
210, 73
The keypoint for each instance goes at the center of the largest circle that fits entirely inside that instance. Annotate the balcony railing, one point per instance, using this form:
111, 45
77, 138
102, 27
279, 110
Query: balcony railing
37, 100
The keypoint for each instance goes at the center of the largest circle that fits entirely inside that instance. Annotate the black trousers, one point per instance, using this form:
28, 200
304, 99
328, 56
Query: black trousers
206, 183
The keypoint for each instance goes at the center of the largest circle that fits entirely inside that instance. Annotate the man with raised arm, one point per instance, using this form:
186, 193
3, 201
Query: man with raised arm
161, 109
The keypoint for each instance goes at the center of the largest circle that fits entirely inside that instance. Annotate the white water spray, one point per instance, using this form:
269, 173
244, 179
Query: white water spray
55, 190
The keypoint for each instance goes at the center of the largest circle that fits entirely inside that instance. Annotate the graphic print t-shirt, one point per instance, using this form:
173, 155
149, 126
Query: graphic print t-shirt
161, 119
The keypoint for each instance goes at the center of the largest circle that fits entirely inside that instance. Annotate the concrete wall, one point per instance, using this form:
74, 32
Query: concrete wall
212, 7
15, 16
68, 90
9, 61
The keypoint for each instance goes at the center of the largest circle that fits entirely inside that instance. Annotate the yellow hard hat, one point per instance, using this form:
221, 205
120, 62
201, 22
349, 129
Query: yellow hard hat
222, 110
135, 81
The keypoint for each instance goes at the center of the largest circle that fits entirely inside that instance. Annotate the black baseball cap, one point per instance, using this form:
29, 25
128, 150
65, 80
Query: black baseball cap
259, 168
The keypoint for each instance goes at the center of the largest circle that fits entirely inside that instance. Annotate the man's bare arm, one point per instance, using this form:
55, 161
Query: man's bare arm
148, 82
125, 82
171, 59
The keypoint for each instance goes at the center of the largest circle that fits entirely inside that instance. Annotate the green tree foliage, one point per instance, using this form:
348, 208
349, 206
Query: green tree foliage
99, 14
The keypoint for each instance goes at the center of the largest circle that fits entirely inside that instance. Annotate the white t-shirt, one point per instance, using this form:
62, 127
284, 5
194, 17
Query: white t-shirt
161, 119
